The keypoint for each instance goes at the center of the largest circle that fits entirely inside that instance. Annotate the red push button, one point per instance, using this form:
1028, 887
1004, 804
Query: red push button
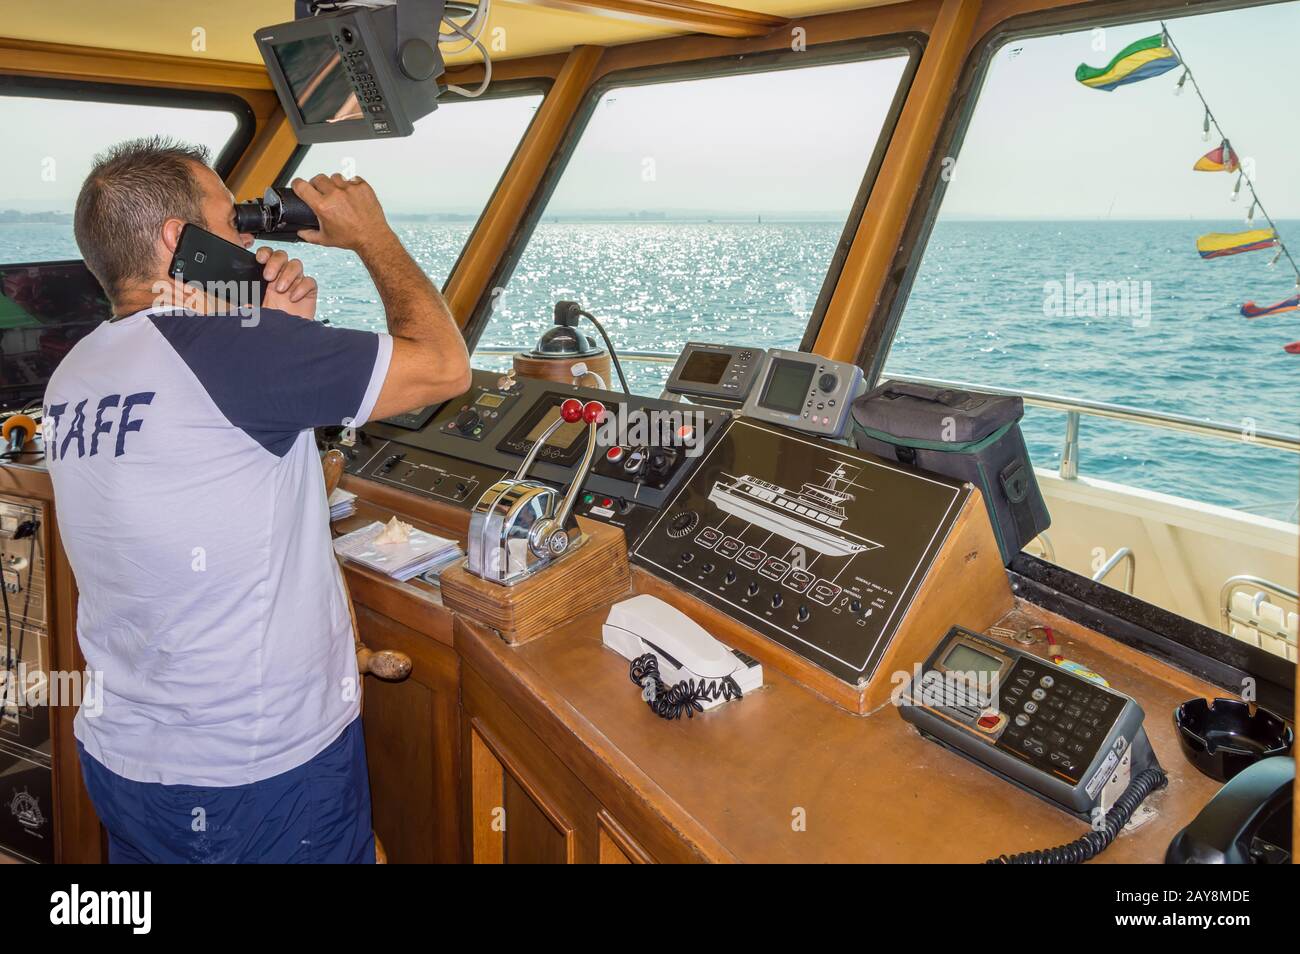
988, 721
614, 454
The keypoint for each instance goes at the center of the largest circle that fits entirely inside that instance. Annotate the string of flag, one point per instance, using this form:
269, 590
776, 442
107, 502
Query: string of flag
1154, 56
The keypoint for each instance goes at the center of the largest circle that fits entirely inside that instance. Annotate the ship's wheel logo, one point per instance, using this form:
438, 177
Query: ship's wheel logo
27, 810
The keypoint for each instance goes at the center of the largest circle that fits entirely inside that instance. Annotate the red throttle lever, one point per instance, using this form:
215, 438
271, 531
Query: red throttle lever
573, 411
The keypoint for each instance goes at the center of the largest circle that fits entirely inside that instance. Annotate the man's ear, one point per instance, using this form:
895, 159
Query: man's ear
171, 235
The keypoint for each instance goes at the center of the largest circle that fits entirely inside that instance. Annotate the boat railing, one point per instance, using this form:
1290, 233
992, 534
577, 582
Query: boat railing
1260, 591
636, 357
1125, 555
1073, 408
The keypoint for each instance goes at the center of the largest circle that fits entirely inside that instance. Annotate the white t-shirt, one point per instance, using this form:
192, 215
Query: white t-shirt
190, 501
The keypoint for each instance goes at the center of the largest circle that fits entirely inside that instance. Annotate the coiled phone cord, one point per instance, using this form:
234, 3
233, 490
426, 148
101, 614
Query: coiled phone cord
1095, 842
669, 702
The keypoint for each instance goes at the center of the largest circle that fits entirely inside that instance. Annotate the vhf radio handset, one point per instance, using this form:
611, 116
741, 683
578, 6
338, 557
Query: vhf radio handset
520, 526
1069, 740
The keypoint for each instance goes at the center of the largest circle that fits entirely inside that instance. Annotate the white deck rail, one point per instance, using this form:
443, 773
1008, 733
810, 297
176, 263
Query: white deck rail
1074, 409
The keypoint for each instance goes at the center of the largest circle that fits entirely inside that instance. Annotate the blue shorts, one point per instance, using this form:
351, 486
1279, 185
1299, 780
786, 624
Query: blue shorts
317, 813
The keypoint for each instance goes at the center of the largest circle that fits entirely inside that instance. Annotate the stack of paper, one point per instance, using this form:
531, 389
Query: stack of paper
401, 560
433, 575
343, 503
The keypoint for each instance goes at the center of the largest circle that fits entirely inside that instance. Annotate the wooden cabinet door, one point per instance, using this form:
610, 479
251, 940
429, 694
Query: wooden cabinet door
523, 804
515, 818
412, 732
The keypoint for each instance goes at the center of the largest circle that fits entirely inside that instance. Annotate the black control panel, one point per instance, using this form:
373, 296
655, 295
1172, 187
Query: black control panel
453, 481
564, 447
632, 518
654, 466
452, 453
414, 420
819, 547
481, 409
646, 447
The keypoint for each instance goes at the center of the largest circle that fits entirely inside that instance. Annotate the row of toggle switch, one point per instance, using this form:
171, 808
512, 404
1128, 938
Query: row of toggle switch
753, 588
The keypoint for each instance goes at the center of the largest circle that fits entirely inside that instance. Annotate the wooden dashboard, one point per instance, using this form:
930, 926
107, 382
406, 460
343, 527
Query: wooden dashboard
544, 751
559, 759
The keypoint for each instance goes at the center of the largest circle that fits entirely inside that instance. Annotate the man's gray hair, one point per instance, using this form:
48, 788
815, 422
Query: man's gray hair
132, 190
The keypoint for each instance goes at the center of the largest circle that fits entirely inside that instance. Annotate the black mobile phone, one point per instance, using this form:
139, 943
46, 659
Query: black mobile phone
228, 273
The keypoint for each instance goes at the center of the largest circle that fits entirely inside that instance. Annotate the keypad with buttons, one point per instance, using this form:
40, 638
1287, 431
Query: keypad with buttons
363, 82
1056, 721
1034, 723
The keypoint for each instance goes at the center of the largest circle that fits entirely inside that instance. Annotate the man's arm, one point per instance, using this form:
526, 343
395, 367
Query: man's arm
429, 362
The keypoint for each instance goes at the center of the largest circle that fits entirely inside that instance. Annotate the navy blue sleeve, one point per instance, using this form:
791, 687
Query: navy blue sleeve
280, 375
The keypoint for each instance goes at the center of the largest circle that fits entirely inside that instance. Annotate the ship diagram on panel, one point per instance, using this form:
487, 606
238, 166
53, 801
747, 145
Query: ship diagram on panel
814, 545
811, 517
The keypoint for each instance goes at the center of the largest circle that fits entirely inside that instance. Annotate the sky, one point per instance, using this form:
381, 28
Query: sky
50, 143
1040, 145
777, 142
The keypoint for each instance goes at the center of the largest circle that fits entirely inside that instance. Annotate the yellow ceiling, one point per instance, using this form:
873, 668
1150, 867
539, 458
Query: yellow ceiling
224, 28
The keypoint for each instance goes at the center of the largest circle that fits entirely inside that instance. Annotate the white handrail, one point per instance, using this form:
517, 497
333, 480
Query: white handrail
1123, 553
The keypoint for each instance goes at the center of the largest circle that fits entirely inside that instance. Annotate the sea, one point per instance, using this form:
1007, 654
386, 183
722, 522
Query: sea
1119, 312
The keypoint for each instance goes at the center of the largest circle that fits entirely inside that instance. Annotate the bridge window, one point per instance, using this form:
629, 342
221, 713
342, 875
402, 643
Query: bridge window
704, 209
434, 186
1063, 264
54, 132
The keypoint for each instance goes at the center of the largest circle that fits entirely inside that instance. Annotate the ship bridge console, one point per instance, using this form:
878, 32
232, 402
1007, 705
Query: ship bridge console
678, 619
849, 587
818, 547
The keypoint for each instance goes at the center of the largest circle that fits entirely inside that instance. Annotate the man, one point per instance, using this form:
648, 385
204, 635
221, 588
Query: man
191, 505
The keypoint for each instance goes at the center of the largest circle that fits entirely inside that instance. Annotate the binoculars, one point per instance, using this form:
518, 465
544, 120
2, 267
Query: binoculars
278, 215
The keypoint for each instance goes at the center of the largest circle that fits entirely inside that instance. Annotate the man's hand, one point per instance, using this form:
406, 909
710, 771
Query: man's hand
287, 288
349, 213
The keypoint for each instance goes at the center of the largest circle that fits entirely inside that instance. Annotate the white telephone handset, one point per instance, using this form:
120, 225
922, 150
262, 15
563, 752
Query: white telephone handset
678, 664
